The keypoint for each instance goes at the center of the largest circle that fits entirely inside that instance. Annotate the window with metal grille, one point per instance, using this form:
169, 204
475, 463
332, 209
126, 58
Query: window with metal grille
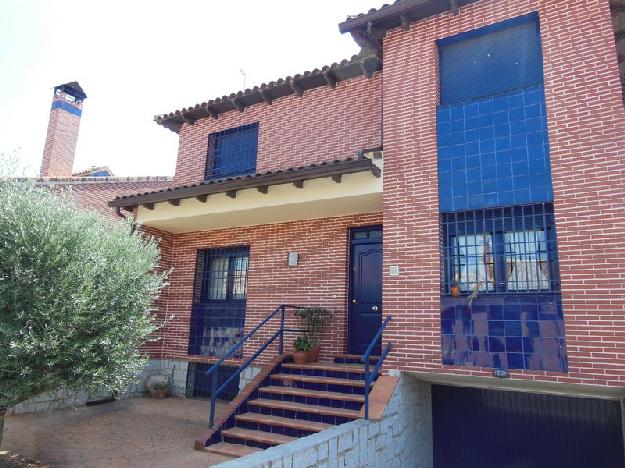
222, 275
498, 250
232, 151
219, 300
491, 60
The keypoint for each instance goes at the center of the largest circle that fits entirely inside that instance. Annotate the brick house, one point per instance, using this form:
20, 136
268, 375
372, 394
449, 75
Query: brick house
463, 175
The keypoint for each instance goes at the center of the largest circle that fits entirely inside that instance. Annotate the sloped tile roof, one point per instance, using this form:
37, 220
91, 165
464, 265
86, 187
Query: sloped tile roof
399, 13
328, 75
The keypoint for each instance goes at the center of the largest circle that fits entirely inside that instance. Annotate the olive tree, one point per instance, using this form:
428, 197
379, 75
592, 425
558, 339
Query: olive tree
76, 295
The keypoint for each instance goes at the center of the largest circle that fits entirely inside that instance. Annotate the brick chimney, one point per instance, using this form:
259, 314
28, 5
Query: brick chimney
59, 151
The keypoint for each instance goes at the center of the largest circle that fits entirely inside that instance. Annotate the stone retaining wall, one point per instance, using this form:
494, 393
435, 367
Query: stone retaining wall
402, 438
64, 398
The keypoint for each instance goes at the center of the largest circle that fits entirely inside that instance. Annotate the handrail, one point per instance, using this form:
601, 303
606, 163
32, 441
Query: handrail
215, 390
369, 376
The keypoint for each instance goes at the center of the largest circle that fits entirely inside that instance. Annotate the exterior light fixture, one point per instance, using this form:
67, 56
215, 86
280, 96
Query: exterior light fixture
292, 259
501, 373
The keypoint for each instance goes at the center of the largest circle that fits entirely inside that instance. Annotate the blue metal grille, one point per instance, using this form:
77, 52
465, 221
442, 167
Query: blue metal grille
232, 151
491, 60
219, 300
511, 249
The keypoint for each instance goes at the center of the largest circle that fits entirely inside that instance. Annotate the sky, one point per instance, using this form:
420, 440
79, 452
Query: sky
136, 59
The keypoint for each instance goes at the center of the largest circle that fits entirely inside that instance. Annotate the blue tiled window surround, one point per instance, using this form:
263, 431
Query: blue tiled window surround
494, 152
232, 152
492, 128
510, 256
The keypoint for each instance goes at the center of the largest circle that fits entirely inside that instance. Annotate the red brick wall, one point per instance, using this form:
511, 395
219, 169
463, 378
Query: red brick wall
323, 125
586, 128
319, 279
61, 138
154, 348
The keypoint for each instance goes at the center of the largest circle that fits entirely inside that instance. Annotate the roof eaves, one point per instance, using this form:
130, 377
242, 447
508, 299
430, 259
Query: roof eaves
328, 75
207, 187
400, 13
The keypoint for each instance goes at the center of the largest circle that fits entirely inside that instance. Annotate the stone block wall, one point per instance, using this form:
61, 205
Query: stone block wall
403, 437
64, 398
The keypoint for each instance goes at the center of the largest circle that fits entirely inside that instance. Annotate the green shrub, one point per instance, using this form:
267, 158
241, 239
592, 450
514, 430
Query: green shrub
301, 344
76, 292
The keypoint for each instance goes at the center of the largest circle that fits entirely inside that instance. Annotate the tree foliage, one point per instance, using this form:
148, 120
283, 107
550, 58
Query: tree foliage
76, 292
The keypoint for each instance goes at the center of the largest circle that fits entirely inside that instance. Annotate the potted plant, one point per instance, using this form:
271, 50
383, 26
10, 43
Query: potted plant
455, 290
301, 346
314, 321
158, 386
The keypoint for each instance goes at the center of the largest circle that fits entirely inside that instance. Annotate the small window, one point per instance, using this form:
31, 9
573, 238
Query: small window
491, 60
501, 250
232, 152
222, 275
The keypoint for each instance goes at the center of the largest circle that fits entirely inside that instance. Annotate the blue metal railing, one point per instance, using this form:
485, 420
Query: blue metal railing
369, 376
215, 390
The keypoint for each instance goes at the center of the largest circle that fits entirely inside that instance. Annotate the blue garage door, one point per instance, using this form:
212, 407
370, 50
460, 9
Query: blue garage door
500, 429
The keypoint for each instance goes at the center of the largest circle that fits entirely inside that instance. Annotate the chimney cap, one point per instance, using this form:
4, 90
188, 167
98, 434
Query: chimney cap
73, 89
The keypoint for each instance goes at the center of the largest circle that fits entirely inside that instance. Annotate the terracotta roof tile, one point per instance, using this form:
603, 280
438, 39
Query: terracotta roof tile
328, 75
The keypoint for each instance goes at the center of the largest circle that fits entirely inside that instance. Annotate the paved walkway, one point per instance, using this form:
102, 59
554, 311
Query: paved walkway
138, 432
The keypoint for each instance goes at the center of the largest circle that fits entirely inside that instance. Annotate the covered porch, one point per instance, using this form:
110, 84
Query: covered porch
239, 247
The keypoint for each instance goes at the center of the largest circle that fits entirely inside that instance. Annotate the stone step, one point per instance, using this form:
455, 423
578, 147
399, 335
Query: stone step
327, 366
319, 380
263, 437
303, 408
312, 393
231, 450
300, 424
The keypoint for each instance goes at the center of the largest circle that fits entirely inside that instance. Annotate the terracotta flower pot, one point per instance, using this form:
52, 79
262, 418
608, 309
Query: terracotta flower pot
313, 354
159, 394
300, 357
455, 291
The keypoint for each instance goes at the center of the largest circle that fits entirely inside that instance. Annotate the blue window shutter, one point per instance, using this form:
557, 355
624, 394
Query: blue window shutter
491, 60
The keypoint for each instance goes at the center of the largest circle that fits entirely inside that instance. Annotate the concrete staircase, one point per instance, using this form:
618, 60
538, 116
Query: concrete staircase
292, 401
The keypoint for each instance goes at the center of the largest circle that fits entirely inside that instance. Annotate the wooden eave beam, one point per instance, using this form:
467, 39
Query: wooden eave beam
376, 171
405, 22
296, 87
298, 184
174, 201
202, 198
148, 206
263, 189
453, 5
337, 178
211, 111
330, 78
265, 96
188, 119
238, 105
232, 194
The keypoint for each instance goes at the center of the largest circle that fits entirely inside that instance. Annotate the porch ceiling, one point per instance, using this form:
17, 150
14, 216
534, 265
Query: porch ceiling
325, 196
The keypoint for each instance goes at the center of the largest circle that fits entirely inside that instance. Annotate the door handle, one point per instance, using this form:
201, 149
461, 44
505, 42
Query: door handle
374, 308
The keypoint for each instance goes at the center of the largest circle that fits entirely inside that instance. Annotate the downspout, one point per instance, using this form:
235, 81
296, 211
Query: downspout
133, 224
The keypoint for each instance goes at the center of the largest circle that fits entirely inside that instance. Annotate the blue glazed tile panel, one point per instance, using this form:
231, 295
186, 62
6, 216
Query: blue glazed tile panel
494, 152
504, 331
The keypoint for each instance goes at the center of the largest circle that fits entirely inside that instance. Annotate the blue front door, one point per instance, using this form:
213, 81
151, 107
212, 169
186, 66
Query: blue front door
365, 291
